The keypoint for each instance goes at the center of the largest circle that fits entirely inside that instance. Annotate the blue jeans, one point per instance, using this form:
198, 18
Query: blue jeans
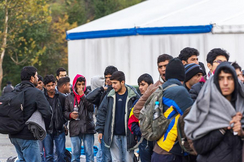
106, 155
99, 153
119, 151
27, 150
145, 150
41, 150
60, 147
88, 141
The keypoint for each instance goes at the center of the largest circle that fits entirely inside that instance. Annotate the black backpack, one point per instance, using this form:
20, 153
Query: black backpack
11, 112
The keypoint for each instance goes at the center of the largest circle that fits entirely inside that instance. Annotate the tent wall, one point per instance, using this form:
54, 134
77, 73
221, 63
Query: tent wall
135, 55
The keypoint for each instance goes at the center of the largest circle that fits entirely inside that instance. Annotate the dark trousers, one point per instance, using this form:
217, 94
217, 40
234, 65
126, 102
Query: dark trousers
145, 150
165, 158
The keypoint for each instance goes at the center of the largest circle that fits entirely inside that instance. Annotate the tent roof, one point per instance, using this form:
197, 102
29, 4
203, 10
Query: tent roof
164, 13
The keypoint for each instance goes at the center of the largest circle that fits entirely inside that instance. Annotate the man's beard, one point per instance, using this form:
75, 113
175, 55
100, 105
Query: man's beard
35, 83
119, 90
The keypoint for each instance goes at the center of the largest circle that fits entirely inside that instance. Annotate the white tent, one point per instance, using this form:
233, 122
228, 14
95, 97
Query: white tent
133, 38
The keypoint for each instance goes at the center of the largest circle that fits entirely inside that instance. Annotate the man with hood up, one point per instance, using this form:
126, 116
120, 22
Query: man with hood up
215, 122
81, 126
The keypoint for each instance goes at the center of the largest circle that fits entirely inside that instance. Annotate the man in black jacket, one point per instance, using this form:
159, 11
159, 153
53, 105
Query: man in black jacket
214, 122
112, 118
55, 132
193, 73
25, 143
81, 126
96, 97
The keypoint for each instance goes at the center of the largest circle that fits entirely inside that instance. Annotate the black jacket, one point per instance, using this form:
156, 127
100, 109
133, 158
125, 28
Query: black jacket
195, 89
96, 96
34, 100
106, 118
216, 147
221, 145
86, 124
58, 119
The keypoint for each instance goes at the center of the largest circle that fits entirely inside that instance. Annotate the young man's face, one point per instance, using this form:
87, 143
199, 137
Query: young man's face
117, 85
34, 79
143, 86
226, 83
50, 87
107, 79
239, 75
61, 74
67, 87
216, 62
162, 68
40, 85
80, 85
195, 79
192, 59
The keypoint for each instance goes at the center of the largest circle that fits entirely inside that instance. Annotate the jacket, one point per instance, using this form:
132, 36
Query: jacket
216, 146
34, 100
175, 101
58, 120
196, 88
211, 106
139, 105
85, 110
96, 96
106, 116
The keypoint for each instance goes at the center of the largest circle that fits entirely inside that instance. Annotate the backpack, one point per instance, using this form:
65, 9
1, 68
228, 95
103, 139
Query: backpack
151, 129
11, 112
185, 143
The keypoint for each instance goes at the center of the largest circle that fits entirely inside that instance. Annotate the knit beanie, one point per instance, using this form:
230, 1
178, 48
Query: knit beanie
191, 70
175, 70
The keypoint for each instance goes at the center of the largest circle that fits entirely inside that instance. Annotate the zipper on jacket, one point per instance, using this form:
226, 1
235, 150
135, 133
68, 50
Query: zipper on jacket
113, 118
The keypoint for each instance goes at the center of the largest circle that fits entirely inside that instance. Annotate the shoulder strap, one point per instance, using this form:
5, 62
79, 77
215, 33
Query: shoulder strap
172, 85
164, 89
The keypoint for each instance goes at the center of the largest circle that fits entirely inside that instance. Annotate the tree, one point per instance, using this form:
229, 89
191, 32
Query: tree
22, 33
56, 53
33, 32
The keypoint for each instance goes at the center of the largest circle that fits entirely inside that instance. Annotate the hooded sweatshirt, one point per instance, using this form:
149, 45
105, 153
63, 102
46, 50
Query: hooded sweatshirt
77, 96
85, 111
97, 81
211, 112
223, 66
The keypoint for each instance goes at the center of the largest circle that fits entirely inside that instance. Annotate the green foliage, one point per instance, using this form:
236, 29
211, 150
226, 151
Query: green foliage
37, 31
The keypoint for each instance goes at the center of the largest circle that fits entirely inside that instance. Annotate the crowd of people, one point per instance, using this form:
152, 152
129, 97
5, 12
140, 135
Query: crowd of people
214, 123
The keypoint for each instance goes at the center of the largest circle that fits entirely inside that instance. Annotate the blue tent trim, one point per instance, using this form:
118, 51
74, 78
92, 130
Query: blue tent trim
140, 31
